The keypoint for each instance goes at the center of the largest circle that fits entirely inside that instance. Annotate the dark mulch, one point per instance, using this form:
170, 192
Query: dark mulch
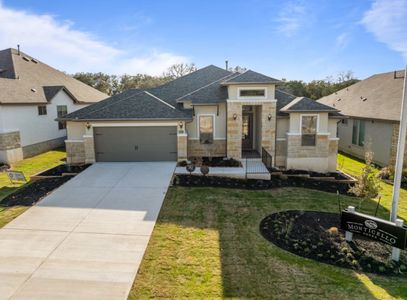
212, 162
315, 235
4, 167
275, 182
33, 192
59, 170
336, 175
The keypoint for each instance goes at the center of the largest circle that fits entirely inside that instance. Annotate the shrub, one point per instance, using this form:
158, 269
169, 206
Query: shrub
386, 173
367, 185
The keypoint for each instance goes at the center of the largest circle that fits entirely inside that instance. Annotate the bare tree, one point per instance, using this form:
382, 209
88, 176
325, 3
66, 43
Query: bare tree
179, 70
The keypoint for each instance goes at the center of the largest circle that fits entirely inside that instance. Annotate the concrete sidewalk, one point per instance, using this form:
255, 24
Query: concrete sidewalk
86, 239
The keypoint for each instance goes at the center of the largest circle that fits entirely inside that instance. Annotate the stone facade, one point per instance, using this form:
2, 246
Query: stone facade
35, 149
75, 152
234, 127
216, 149
10, 140
281, 153
394, 144
89, 146
296, 150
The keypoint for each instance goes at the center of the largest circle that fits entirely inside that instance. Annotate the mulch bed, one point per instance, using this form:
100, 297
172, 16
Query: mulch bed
34, 191
315, 235
59, 170
212, 162
257, 184
4, 167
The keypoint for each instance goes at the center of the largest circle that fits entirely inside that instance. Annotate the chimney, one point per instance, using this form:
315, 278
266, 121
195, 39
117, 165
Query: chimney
227, 65
18, 49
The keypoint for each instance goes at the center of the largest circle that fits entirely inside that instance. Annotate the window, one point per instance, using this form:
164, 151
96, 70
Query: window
252, 93
358, 133
308, 130
62, 110
42, 110
206, 129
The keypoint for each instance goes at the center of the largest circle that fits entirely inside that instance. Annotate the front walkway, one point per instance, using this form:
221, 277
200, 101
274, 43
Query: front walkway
86, 239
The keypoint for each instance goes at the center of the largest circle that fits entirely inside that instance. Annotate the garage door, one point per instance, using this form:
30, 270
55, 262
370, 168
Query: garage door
135, 143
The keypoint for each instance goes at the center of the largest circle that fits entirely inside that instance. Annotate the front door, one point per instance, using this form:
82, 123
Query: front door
247, 131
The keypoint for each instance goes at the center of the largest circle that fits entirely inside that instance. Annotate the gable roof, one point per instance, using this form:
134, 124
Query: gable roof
132, 104
377, 97
251, 77
26, 80
304, 104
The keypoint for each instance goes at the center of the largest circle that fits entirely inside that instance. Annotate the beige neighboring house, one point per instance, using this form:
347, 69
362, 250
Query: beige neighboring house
209, 113
32, 96
373, 106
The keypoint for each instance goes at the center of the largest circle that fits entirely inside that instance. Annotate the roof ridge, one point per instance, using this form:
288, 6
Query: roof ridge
202, 87
241, 73
159, 99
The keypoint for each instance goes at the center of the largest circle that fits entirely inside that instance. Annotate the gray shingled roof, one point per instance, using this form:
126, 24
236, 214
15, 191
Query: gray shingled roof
283, 98
377, 97
23, 80
130, 105
304, 104
251, 77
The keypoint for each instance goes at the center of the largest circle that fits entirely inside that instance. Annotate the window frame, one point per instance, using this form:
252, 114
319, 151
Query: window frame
239, 89
316, 129
61, 124
356, 137
199, 127
42, 110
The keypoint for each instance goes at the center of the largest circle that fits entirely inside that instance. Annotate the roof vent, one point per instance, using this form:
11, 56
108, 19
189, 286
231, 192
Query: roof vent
26, 58
34, 60
339, 99
33, 90
364, 99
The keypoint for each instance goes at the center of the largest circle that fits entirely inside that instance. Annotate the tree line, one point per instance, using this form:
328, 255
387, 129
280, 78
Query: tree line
113, 84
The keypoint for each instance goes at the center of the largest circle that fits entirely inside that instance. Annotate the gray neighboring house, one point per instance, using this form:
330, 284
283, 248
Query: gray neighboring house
32, 96
209, 113
373, 106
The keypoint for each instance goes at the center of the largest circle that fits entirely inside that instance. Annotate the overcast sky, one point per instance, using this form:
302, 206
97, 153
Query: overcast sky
285, 39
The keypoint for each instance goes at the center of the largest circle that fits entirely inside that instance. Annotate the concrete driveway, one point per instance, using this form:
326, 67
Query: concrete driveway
86, 239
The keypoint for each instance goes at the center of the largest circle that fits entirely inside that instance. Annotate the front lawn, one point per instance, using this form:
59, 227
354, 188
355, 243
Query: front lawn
29, 167
207, 245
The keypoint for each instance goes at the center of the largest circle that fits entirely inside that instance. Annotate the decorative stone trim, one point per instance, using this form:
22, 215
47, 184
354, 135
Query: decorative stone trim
10, 140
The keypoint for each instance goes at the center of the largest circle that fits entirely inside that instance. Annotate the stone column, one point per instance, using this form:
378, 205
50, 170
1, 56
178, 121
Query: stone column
268, 127
89, 145
10, 147
234, 130
182, 146
75, 152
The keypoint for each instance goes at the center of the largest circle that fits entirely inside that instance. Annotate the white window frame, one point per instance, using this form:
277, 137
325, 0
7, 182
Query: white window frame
199, 124
317, 129
252, 88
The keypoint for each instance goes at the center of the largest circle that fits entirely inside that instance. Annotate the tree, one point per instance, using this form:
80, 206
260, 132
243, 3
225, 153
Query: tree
179, 70
100, 81
141, 81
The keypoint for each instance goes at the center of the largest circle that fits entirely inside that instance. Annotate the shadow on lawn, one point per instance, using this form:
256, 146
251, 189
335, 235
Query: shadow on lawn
251, 267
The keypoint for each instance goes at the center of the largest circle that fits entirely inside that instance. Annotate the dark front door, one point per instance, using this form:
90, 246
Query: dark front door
247, 131
135, 143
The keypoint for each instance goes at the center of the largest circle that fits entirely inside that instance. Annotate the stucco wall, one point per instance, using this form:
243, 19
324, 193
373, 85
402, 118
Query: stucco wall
233, 91
219, 121
378, 138
283, 126
34, 128
295, 122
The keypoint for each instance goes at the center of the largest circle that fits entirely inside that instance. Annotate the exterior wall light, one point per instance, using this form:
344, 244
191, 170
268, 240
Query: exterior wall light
269, 117
180, 124
88, 126
234, 116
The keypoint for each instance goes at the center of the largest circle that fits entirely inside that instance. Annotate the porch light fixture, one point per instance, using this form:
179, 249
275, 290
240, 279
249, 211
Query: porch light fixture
181, 125
88, 126
269, 117
234, 116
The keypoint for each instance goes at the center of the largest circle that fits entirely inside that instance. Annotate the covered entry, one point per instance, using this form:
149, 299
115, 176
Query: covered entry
153, 143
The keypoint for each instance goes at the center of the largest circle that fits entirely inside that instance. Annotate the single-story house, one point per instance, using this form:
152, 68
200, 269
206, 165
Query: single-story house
211, 112
32, 95
373, 106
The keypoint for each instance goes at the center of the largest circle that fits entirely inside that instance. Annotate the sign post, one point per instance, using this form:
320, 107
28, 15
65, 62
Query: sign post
399, 160
395, 252
348, 234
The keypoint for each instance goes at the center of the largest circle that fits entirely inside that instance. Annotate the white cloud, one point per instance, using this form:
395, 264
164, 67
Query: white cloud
387, 20
291, 18
342, 40
59, 45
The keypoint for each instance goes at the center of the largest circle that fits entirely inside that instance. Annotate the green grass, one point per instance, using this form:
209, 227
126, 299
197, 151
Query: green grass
29, 167
206, 245
353, 166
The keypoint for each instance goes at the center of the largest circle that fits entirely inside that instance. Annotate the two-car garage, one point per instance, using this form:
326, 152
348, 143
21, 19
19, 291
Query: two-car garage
142, 143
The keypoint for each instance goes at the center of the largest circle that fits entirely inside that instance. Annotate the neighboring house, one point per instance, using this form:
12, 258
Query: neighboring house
373, 106
208, 113
32, 96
